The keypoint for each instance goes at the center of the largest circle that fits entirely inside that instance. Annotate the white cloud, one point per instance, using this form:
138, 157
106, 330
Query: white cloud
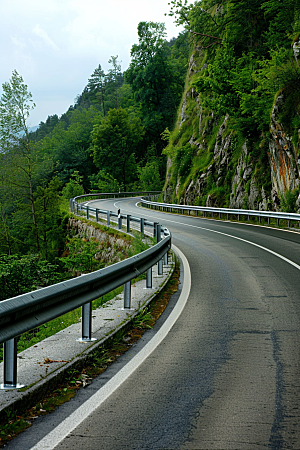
57, 44
19, 43
44, 36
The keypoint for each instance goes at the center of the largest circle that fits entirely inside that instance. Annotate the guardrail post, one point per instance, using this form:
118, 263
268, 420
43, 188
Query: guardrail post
128, 223
108, 218
97, 215
119, 220
259, 219
268, 220
278, 222
127, 295
87, 212
10, 365
289, 223
158, 239
166, 259
149, 278
142, 227
86, 323
158, 232
155, 229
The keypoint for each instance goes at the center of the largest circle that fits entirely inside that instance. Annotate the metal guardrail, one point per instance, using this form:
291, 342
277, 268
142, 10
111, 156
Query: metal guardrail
30, 310
101, 195
172, 207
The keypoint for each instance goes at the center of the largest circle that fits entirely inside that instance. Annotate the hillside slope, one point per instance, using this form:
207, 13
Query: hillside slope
236, 139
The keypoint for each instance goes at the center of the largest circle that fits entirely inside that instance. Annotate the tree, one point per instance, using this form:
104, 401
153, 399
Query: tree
115, 141
104, 182
47, 203
97, 84
74, 187
19, 275
114, 80
149, 176
20, 168
15, 106
155, 80
69, 144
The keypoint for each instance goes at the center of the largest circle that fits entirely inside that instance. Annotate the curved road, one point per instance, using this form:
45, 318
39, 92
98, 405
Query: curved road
226, 376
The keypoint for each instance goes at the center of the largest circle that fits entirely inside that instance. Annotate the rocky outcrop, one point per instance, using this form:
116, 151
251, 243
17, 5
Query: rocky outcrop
283, 157
111, 246
236, 174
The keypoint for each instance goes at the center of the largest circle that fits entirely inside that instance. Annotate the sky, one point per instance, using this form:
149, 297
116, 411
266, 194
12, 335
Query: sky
57, 44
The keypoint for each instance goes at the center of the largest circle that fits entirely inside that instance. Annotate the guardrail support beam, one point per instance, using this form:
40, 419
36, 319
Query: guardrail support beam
108, 218
128, 223
149, 278
160, 267
86, 323
127, 295
87, 212
155, 229
97, 215
10, 365
166, 259
142, 227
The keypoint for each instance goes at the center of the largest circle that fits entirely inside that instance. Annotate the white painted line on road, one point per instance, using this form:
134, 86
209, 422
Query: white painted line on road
233, 237
51, 440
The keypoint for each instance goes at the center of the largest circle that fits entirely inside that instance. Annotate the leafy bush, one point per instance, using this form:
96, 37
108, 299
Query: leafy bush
21, 274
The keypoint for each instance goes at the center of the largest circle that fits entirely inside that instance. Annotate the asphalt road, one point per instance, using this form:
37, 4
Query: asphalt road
226, 376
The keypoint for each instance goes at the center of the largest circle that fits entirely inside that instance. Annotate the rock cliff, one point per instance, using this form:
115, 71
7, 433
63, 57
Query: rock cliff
210, 163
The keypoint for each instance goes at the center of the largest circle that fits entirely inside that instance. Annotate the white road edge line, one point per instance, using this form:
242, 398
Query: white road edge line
52, 439
234, 237
225, 234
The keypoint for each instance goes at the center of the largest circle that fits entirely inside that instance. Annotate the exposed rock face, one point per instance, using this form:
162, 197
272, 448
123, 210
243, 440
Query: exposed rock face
111, 246
254, 184
283, 157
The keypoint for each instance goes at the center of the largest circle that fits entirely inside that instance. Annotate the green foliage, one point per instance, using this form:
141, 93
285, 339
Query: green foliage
104, 182
74, 187
143, 319
156, 75
97, 86
288, 202
69, 144
21, 274
149, 176
82, 255
242, 60
115, 140
49, 219
15, 106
